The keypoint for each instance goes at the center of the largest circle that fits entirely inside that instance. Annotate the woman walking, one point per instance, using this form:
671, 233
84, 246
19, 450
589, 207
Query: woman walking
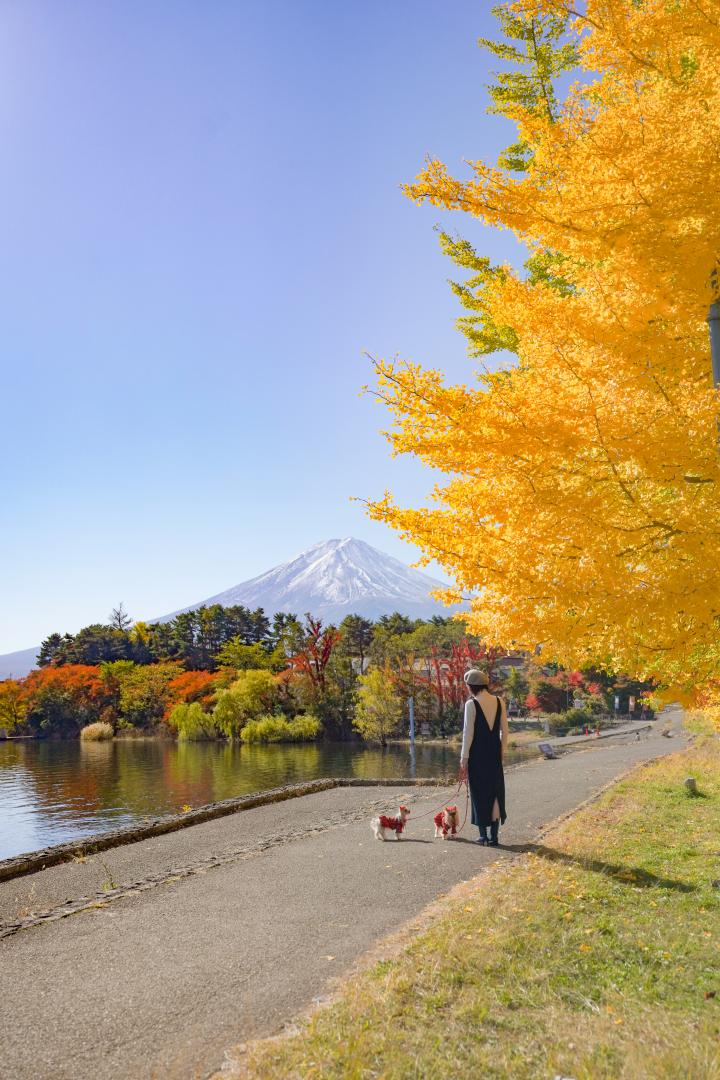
485, 736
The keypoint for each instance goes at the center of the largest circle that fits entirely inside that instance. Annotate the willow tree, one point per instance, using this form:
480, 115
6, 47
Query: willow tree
580, 501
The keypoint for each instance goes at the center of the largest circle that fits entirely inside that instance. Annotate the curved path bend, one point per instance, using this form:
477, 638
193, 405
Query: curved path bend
150, 960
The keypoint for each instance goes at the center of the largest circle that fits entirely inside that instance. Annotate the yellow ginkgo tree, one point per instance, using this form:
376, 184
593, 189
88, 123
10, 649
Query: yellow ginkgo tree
580, 503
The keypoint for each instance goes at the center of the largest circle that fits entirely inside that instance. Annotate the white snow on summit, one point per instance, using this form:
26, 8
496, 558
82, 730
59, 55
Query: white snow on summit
330, 580
333, 579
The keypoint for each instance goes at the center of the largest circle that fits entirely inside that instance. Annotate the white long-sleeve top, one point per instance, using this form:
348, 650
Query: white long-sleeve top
469, 728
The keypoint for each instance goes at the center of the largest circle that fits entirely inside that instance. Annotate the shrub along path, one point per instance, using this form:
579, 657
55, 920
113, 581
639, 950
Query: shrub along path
185, 944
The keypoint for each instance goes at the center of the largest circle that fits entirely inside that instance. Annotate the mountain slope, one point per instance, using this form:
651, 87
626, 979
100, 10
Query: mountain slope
15, 665
334, 579
330, 580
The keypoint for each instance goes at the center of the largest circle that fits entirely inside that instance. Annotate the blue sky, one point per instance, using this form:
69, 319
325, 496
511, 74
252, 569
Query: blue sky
203, 230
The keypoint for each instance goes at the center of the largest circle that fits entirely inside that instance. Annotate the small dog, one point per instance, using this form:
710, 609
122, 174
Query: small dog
381, 825
446, 822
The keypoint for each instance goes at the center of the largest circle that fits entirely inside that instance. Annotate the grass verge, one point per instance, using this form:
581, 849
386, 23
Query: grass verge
595, 955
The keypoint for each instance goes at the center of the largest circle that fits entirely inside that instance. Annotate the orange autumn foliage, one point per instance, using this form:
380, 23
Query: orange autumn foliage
66, 698
190, 686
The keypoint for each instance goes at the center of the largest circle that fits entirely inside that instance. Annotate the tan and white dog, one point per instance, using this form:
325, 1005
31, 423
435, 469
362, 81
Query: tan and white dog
446, 822
384, 824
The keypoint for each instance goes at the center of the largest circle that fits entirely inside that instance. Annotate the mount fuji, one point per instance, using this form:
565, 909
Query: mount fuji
330, 580
334, 579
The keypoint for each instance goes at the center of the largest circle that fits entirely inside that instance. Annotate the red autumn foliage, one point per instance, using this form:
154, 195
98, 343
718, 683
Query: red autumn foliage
313, 659
444, 673
440, 672
555, 693
191, 686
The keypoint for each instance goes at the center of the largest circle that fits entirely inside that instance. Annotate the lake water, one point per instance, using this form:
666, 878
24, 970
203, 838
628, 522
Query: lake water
52, 792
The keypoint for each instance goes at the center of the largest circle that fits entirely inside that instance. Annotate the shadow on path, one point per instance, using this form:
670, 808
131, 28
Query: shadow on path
627, 875
408, 840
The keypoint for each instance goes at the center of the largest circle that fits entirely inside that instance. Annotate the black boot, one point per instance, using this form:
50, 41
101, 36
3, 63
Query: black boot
483, 837
494, 827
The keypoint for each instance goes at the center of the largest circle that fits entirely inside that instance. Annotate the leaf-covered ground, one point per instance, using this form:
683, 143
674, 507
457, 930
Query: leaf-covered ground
595, 955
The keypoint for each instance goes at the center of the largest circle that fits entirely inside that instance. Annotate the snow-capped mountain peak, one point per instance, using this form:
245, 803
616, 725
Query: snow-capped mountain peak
333, 579
330, 580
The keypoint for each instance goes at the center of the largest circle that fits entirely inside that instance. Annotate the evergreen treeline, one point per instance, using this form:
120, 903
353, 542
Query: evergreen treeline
194, 638
213, 637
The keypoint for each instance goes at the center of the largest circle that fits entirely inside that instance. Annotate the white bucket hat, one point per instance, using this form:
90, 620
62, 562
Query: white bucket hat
474, 677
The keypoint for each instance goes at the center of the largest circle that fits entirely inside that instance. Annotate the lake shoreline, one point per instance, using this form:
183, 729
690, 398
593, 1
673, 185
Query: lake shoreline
64, 792
30, 862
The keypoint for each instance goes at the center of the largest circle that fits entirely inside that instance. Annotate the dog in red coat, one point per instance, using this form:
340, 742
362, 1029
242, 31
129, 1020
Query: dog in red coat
446, 822
384, 824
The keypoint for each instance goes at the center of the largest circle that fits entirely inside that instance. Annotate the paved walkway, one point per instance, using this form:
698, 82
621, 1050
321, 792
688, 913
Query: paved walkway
183, 945
631, 728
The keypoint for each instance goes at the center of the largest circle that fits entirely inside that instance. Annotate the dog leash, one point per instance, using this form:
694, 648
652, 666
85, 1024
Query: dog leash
437, 809
467, 804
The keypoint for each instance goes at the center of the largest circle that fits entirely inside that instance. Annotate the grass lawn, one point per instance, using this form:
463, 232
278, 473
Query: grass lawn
596, 955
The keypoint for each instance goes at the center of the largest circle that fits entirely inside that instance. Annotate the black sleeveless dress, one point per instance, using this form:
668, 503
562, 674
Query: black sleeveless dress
485, 772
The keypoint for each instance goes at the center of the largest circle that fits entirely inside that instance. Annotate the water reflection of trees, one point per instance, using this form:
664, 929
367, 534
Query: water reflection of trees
72, 788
